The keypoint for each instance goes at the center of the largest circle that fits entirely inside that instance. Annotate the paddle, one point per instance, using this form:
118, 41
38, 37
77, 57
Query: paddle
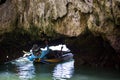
26, 53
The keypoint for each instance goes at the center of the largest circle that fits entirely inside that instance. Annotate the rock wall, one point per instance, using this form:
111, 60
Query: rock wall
66, 17
104, 21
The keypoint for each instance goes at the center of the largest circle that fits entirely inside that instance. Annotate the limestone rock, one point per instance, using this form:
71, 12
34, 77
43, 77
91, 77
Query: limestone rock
66, 17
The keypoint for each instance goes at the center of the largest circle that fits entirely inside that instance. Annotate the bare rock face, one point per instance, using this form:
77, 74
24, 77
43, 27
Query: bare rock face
66, 17
6, 16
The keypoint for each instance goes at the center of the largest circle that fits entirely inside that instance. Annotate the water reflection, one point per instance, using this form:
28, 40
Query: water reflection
25, 70
63, 71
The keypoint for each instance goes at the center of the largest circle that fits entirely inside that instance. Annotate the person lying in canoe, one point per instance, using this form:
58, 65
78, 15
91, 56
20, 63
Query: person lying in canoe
36, 52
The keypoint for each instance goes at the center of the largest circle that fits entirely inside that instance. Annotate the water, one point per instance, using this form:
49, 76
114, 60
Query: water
30, 71
21, 69
55, 71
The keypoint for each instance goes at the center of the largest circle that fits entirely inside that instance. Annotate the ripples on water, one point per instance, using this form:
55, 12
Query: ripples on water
60, 71
63, 70
30, 71
26, 71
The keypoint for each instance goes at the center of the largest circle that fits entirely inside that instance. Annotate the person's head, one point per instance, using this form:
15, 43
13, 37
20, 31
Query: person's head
35, 49
35, 46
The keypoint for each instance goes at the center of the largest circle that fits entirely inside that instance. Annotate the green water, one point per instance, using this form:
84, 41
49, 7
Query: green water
59, 71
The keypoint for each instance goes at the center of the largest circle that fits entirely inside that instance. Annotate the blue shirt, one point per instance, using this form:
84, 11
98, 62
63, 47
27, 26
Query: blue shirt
43, 53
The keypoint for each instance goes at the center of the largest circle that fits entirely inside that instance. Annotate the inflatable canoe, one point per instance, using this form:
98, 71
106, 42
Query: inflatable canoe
57, 53
65, 57
53, 57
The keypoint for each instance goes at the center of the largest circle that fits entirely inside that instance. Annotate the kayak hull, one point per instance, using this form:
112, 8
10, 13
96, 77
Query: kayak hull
65, 57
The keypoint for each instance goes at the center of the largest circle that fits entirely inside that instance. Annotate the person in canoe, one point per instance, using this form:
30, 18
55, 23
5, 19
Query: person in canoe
38, 53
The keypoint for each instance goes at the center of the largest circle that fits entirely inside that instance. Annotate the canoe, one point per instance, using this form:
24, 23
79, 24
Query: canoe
52, 59
65, 57
55, 54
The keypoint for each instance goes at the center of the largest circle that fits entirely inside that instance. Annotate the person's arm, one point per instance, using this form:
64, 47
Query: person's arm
46, 42
32, 57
